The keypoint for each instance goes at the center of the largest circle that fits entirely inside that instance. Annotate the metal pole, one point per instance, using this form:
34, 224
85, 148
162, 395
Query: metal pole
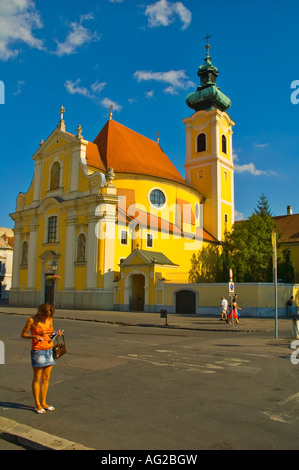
231, 296
275, 281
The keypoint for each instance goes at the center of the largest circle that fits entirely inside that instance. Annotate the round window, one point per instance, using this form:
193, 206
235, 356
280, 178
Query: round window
157, 198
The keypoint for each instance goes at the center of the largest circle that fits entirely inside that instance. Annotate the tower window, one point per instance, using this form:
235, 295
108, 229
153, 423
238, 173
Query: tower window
224, 144
225, 218
201, 143
52, 229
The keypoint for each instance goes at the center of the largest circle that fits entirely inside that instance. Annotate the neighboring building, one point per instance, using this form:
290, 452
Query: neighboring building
105, 223
6, 260
288, 227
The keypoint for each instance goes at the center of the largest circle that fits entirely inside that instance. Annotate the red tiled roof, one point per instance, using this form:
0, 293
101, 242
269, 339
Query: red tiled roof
126, 151
93, 156
6, 242
288, 227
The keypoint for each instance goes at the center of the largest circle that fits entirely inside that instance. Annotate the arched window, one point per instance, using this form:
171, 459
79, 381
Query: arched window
81, 247
24, 253
201, 143
224, 144
55, 176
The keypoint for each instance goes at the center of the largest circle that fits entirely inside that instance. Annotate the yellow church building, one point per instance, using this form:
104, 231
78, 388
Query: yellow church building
105, 224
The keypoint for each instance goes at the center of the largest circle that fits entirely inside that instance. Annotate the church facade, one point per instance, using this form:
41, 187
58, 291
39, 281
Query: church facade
106, 223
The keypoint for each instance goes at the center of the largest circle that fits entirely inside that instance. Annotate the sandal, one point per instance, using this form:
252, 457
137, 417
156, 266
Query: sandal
40, 412
50, 408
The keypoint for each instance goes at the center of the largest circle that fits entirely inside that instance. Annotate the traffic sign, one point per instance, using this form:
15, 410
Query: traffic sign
231, 287
230, 274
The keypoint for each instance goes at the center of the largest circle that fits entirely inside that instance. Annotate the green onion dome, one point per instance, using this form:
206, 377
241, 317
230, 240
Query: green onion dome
208, 95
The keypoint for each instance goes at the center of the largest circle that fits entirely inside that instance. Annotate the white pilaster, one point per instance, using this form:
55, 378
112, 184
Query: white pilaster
70, 251
17, 256
91, 255
32, 255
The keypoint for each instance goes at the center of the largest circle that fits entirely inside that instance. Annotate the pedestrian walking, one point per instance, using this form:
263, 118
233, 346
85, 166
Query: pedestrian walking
223, 309
290, 307
234, 314
40, 327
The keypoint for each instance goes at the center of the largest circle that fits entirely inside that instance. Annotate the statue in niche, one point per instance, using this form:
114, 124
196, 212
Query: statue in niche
81, 247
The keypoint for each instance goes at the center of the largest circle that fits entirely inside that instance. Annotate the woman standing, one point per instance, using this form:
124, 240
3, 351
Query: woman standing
235, 311
40, 327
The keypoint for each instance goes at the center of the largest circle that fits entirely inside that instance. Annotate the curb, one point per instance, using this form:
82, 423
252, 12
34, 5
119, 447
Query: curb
33, 439
66, 316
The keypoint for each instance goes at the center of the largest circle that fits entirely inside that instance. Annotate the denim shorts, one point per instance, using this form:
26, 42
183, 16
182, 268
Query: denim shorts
42, 358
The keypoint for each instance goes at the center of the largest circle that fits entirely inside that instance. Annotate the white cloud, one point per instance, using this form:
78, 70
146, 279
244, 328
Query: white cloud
20, 84
107, 102
176, 79
163, 13
250, 168
150, 94
97, 87
18, 20
75, 89
257, 145
239, 215
77, 36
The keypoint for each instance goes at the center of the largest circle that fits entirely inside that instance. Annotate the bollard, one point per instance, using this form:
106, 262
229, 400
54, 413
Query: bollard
163, 314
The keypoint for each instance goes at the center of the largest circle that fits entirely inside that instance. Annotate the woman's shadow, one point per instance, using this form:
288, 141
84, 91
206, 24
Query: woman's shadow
19, 406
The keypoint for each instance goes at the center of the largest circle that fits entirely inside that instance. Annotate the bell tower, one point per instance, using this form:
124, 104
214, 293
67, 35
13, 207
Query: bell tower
209, 163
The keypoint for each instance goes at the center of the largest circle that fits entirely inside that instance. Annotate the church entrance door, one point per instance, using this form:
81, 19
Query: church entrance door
186, 302
137, 299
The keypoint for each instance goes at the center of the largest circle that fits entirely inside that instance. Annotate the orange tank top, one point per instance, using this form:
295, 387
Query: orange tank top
44, 331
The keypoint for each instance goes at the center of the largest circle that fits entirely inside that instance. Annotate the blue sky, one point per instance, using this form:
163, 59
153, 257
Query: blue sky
142, 57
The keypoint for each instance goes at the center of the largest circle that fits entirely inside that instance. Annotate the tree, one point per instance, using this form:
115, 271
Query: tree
250, 247
286, 268
248, 250
263, 208
204, 265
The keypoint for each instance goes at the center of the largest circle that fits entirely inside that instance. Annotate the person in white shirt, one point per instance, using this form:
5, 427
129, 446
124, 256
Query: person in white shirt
223, 307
